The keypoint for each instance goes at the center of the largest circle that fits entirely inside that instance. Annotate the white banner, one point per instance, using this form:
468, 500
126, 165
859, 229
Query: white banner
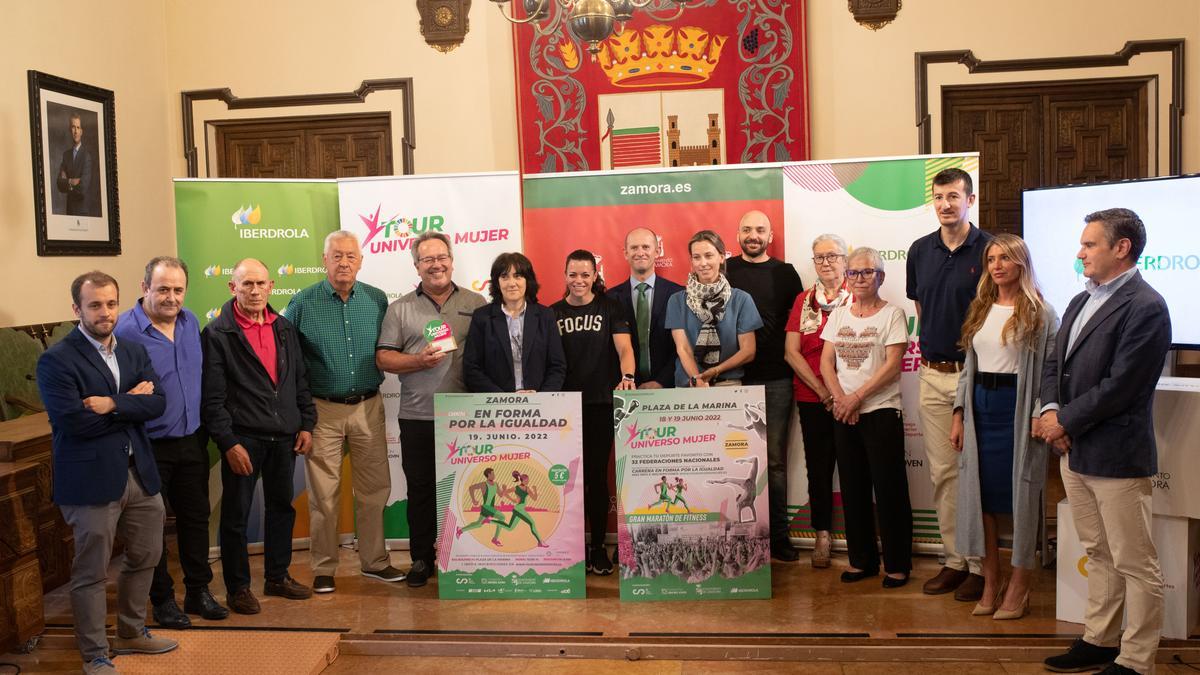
883, 204
481, 213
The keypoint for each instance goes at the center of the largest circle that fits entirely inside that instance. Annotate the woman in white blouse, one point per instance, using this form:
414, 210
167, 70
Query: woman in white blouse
1007, 335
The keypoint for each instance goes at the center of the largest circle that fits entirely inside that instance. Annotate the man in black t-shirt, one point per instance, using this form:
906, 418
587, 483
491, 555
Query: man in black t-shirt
774, 286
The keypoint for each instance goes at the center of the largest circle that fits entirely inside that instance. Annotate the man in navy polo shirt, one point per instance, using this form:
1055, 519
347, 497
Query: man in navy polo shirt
943, 271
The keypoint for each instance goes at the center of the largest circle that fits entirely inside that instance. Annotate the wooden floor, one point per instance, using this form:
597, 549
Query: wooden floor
813, 624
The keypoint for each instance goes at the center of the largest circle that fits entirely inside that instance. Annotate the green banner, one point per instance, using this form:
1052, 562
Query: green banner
283, 224
654, 187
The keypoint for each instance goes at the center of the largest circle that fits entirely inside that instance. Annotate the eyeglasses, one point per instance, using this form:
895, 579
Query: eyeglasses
431, 259
865, 274
826, 258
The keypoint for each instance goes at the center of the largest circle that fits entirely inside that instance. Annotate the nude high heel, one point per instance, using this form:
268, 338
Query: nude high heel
985, 610
1006, 615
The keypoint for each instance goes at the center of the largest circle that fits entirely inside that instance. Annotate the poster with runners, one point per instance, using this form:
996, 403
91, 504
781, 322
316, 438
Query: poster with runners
509, 495
692, 518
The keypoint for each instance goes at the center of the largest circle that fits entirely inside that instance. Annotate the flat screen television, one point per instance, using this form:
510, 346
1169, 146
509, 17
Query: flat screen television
1170, 208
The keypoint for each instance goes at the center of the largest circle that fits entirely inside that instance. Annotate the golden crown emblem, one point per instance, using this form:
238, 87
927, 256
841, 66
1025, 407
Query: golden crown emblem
661, 56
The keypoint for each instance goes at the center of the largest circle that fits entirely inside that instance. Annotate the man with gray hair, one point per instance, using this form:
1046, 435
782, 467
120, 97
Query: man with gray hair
338, 319
170, 333
422, 342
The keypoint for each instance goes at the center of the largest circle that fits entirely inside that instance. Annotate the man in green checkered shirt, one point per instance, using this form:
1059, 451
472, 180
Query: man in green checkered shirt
338, 319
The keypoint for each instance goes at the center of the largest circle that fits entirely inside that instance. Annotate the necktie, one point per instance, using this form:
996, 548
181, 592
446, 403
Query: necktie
642, 316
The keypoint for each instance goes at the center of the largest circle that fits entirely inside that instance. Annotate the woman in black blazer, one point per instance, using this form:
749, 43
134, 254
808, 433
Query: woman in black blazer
514, 324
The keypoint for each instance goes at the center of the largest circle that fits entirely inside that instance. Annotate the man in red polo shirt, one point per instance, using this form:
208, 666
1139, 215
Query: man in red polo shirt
257, 408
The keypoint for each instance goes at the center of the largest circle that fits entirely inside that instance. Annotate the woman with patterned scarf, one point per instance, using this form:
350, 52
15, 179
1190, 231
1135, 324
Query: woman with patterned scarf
712, 323
802, 350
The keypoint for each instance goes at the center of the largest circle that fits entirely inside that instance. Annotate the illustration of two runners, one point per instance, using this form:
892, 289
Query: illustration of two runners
664, 486
488, 510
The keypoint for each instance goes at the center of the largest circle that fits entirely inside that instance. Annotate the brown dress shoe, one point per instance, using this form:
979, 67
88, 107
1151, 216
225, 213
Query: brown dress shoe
947, 580
243, 601
287, 587
970, 590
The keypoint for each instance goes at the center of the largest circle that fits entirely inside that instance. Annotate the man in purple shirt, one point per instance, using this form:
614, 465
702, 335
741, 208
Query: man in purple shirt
171, 336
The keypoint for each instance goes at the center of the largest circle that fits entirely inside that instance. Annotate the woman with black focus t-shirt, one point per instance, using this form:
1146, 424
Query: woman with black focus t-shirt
595, 338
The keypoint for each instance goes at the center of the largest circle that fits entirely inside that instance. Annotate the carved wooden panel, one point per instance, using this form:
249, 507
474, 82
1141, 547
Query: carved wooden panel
21, 614
334, 146
27, 439
1042, 134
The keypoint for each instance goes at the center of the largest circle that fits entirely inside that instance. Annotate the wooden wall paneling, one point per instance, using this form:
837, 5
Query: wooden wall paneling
359, 95
1122, 57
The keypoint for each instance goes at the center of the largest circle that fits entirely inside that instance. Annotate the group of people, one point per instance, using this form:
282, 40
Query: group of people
133, 401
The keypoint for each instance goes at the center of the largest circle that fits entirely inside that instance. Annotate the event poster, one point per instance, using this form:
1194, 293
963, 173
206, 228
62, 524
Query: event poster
509, 495
884, 204
283, 223
481, 215
693, 521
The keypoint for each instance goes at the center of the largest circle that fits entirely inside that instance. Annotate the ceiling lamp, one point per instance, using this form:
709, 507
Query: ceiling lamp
592, 21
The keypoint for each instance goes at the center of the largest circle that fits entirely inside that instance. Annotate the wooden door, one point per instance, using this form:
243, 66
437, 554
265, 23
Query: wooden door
1039, 134
332, 146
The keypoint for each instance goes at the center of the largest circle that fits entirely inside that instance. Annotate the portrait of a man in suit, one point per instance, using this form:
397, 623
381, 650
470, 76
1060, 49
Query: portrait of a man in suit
77, 176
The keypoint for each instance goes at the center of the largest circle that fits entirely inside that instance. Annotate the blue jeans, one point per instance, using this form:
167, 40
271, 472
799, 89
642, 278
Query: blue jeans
274, 460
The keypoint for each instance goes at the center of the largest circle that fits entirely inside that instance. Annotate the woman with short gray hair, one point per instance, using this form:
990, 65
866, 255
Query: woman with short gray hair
860, 363
802, 350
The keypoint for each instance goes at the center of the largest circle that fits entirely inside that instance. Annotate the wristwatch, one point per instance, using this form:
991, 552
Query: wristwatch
628, 377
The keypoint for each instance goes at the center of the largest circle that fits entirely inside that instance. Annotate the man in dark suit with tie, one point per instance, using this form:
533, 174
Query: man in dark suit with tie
1097, 397
644, 297
75, 172
99, 394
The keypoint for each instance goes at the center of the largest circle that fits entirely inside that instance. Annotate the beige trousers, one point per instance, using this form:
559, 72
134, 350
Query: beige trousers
1112, 517
360, 429
937, 394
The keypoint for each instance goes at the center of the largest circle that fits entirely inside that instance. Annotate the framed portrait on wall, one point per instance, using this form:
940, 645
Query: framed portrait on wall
73, 139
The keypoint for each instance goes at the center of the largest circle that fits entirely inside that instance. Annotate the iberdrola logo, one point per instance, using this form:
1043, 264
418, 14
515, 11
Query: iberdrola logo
212, 313
247, 215
217, 271
286, 270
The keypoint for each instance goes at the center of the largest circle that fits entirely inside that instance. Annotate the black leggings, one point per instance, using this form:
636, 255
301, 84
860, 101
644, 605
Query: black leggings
597, 456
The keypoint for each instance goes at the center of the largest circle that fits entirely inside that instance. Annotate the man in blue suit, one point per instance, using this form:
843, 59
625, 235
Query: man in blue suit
75, 173
1097, 395
644, 297
99, 395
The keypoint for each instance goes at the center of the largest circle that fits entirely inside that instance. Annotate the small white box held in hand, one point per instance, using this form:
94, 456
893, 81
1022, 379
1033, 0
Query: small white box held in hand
438, 334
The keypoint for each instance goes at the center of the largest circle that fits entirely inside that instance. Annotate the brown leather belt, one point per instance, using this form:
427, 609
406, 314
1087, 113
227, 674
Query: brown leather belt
943, 366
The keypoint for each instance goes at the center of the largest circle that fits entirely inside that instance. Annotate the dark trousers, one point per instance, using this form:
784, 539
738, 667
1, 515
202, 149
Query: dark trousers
275, 462
597, 455
779, 397
416, 456
183, 469
870, 456
820, 458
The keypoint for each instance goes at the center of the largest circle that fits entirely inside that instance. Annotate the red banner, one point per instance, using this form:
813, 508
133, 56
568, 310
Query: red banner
722, 83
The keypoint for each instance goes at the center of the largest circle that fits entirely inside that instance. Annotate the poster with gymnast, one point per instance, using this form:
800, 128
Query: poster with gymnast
692, 519
509, 495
